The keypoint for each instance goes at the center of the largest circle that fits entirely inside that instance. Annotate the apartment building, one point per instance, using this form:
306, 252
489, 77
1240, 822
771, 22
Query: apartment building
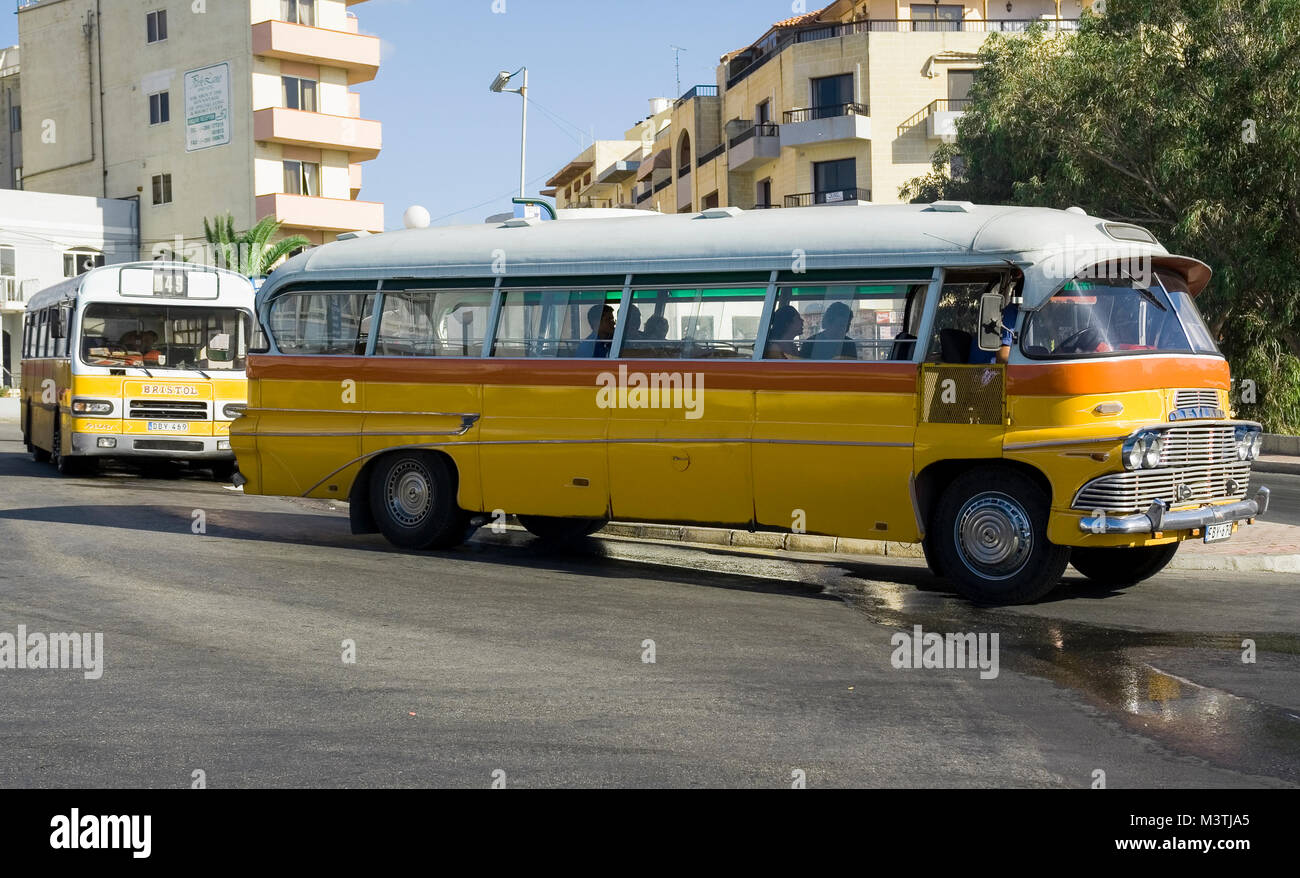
198, 109
838, 106
45, 239
606, 173
11, 120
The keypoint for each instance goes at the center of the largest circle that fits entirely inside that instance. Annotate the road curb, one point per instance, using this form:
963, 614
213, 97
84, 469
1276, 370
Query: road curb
743, 539
820, 545
1280, 467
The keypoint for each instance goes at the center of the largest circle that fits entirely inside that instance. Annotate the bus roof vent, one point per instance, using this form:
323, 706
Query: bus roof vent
348, 236
1126, 232
521, 222
1076, 209
953, 206
720, 212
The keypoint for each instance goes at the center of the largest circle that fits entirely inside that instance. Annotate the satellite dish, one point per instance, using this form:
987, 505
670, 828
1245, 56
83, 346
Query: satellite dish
416, 217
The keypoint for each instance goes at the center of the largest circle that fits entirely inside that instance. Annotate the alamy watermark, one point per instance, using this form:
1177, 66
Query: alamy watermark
922, 649
651, 390
38, 651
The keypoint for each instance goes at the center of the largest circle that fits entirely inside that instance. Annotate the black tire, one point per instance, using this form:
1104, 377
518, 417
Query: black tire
561, 530
990, 530
413, 500
40, 455
224, 470
66, 464
1122, 566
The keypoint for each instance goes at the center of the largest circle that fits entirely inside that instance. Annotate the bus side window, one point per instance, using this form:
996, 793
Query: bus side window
554, 323
429, 323
694, 324
325, 323
862, 322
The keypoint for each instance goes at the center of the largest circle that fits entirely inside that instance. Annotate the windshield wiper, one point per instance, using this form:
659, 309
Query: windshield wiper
1151, 297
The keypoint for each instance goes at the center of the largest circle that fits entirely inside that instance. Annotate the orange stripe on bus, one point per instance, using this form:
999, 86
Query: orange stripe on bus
725, 375
1116, 376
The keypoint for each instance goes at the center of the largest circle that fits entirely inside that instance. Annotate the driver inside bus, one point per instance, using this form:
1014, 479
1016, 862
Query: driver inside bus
601, 320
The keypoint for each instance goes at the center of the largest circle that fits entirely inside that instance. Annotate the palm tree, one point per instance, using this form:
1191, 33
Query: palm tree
250, 253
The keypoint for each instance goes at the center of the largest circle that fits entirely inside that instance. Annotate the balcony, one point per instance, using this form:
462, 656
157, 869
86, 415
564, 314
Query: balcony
746, 62
712, 154
362, 138
329, 214
828, 124
830, 196
355, 53
754, 146
14, 293
697, 91
943, 115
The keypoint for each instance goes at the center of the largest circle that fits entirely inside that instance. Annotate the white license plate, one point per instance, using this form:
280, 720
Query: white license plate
1216, 532
165, 427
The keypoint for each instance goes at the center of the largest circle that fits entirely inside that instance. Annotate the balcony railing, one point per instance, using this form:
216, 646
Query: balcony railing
10, 289
661, 185
830, 111
710, 155
949, 105
765, 207
762, 129
699, 91
830, 196
755, 57
684, 171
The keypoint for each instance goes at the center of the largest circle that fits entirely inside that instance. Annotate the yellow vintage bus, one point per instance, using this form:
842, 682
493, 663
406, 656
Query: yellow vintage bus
136, 361
1015, 388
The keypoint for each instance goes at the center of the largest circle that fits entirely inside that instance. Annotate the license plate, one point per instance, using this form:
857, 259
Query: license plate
165, 427
1216, 532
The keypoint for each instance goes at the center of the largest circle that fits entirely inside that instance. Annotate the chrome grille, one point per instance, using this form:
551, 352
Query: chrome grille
1190, 399
1185, 446
168, 410
1203, 460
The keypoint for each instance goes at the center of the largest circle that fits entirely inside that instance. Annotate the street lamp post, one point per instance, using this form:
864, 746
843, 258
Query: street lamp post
498, 86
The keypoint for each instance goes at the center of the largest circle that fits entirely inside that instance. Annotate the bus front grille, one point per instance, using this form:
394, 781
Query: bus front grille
166, 445
1183, 486
168, 410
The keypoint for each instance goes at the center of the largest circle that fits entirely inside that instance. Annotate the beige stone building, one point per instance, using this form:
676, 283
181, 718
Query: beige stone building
11, 120
202, 108
838, 106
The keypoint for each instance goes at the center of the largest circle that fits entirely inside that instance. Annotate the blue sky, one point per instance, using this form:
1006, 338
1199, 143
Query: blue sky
453, 146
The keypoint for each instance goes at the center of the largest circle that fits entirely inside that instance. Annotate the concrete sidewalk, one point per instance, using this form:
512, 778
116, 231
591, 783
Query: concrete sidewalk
8, 408
1263, 546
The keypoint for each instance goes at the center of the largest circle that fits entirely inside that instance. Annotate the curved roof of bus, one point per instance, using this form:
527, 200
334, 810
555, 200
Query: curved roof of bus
69, 288
1041, 241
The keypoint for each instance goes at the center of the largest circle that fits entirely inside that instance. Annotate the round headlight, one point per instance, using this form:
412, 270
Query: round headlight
1151, 456
1242, 436
1135, 450
1256, 444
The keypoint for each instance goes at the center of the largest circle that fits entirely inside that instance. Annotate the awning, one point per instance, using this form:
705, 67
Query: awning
572, 171
661, 159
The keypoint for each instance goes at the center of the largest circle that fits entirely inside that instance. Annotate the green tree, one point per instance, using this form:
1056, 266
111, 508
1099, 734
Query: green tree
1181, 116
253, 252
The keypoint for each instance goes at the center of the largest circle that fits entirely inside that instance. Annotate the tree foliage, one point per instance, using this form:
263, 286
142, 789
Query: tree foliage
1182, 116
252, 252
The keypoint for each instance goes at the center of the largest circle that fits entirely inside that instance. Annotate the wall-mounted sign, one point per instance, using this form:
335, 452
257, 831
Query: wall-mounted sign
207, 107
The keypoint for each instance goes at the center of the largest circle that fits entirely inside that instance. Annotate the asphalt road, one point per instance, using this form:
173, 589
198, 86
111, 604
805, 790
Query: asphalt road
223, 653
1284, 500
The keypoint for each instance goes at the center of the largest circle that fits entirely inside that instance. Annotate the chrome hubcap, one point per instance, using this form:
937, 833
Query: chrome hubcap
993, 535
408, 492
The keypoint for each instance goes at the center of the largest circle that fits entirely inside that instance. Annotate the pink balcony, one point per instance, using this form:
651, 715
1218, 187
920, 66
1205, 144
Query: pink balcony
355, 53
354, 177
330, 214
362, 138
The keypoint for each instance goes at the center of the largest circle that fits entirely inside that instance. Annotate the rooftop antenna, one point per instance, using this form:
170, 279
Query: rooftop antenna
677, 63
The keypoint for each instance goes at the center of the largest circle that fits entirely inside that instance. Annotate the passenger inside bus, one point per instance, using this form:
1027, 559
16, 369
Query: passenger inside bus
833, 342
601, 320
656, 328
633, 331
787, 324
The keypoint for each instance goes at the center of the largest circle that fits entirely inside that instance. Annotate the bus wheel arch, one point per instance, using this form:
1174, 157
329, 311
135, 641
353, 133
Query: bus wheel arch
931, 481
987, 527
412, 499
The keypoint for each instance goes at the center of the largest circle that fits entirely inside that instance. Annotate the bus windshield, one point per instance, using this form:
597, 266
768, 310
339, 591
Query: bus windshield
1087, 318
165, 337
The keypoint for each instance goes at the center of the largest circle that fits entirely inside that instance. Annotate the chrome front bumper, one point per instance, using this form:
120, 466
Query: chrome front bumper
1159, 518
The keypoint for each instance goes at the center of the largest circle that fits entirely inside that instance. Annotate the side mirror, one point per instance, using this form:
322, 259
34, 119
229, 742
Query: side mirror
990, 326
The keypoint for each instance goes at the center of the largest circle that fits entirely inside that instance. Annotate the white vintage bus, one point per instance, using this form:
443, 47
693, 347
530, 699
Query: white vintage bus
142, 360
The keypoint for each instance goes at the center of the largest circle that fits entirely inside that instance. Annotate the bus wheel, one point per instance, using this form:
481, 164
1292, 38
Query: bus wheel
224, 470
413, 499
67, 465
1125, 565
40, 455
560, 530
991, 536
